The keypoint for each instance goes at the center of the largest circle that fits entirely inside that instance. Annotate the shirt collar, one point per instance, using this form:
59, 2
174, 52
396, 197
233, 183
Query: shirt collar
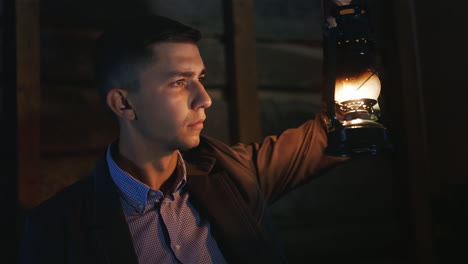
136, 193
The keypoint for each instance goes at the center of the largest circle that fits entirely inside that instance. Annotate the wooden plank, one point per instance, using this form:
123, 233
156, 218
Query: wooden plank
85, 125
67, 53
410, 135
241, 70
10, 216
28, 99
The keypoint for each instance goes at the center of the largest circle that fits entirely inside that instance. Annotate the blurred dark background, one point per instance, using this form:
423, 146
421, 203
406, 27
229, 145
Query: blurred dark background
264, 64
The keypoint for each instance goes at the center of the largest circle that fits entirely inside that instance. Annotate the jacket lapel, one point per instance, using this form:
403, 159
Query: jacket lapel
233, 227
107, 218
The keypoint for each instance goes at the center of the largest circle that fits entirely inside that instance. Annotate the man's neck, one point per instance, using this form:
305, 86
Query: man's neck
150, 166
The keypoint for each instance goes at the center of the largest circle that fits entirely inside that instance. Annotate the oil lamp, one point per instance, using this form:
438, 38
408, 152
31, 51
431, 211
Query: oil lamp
352, 83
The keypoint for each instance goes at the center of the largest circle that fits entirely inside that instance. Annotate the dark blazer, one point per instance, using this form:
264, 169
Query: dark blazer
230, 186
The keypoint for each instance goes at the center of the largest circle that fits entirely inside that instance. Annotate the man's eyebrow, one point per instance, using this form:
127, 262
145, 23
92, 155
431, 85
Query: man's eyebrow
186, 74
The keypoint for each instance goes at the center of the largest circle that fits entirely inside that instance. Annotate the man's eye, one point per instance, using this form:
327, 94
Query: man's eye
178, 83
202, 78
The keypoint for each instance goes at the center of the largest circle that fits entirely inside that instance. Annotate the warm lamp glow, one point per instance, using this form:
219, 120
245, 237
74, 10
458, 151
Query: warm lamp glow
353, 85
364, 86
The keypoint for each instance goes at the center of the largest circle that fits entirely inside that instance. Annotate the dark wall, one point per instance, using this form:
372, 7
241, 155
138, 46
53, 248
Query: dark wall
8, 189
424, 52
440, 30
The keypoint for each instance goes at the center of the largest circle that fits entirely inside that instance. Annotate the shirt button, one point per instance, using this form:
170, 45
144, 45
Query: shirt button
152, 193
177, 247
141, 207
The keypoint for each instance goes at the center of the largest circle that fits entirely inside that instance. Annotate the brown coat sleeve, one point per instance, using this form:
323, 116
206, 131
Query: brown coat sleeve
285, 161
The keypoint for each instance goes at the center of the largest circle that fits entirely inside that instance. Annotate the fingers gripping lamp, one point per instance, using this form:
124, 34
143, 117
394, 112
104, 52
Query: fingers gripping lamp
352, 84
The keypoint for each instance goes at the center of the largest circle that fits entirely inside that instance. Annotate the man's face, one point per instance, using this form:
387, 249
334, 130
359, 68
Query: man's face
171, 101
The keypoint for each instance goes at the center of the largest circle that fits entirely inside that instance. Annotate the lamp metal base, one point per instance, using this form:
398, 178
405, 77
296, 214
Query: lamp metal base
358, 141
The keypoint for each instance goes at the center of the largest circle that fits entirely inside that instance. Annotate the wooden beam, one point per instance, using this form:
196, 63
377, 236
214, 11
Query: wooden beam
28, 100
410, 131
8, 159
242, 94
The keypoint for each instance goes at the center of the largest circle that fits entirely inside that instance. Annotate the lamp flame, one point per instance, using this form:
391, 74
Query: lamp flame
363, 86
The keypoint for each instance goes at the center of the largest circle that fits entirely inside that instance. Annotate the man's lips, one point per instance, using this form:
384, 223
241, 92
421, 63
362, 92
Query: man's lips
198, 124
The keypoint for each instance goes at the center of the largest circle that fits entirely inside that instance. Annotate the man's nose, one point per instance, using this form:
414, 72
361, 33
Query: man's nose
201, 97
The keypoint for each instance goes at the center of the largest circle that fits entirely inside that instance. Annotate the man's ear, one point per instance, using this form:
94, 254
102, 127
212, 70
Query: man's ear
119, 104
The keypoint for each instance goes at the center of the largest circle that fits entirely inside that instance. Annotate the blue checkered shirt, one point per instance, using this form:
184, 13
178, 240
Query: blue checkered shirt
164, 229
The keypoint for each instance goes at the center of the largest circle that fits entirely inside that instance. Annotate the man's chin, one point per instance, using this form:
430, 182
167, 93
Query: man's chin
190, 143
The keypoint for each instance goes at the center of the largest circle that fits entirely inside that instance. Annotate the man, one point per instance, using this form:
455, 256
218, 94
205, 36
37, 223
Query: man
161, 193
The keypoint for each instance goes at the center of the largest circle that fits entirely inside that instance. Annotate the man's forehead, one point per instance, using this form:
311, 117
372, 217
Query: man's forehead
175, 52
186, 73
173, 60
167, 47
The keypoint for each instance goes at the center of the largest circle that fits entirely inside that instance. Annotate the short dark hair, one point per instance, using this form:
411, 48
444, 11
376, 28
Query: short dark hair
124, 47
